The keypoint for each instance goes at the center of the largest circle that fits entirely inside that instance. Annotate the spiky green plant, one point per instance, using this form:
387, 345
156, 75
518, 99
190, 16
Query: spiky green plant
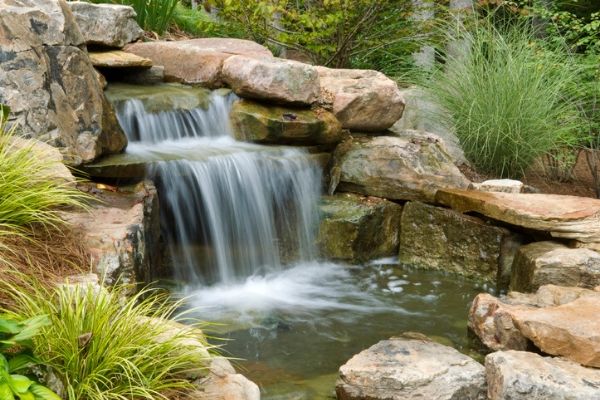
506, 96
103, 345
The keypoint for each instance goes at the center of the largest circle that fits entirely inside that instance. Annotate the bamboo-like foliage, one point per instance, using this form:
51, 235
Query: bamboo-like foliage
103, 345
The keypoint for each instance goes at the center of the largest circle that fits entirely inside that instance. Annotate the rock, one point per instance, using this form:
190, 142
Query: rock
118, 59
557, 320
222, 383
196, 61
55, 170
422, 115
425, 136
568, 217
499, 185
543, 263
50, 84
107, 25
272, 79
159, 98
395, 168
146, 76
121, 232
358, 229
440, 238
259, 123
404, 369
519, 375
362, 100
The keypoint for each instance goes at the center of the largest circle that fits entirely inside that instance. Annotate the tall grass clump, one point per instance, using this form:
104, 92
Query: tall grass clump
507, 96
31, 193
103, 345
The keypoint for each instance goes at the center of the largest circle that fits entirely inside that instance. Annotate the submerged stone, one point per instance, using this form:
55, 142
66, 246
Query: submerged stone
357, 229
405, 369
440, 238
255, 122
160, 98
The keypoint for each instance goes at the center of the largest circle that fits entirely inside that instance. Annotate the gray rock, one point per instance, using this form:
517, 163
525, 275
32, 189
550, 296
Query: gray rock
499, 185
395, 168
544, 263
518, 375
223, 383
363, 100
440, 238
108, 25
357, 229
272, 79
404, 369
50, 84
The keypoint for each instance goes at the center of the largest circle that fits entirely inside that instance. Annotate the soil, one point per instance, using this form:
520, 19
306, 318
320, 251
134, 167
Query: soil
579, 183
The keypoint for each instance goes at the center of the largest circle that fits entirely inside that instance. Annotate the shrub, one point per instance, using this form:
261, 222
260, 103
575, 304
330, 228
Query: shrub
508, 98
15, 358
103, 345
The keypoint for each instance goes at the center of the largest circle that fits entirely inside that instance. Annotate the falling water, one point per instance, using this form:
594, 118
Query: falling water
230, 209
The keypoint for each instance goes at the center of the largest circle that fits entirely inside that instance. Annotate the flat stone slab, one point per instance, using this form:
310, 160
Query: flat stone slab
519, 375
568, 217
405, 369
118, 59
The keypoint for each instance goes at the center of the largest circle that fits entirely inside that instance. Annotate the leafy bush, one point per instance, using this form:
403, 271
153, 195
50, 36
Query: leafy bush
197, 22
508, 98
103, 345
15, 357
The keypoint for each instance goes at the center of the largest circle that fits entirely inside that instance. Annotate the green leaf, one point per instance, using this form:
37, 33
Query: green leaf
4, 111
5, 392
9, 326
31, 327
19, 383
26, 396
43, 393
3, 364
21, 361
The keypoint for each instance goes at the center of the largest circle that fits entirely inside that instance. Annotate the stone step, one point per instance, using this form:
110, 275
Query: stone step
118, 59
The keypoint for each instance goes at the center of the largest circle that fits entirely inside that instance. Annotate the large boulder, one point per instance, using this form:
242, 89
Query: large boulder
106, 25
50, 83
273, 79
196, 61
394, 168
255, 122
568, 217
357, 229
558, 321
121, 232
440, 238
518, 375
405, 369
362, 100
543, 263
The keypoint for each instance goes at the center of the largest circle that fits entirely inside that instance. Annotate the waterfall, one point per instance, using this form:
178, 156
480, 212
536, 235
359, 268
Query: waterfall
229, 209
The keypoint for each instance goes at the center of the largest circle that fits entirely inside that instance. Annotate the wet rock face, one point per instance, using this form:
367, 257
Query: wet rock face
50, 84
107, 25
559, 321
395, 168
254, 122
440, 238
273, 79
518, 375
543, 263
358, 229
121, 233
404, 369
362, 100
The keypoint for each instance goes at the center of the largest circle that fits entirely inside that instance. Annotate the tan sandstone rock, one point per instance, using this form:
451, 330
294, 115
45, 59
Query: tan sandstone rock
118, 59
272, 79
196, 61
568, 217
362, 100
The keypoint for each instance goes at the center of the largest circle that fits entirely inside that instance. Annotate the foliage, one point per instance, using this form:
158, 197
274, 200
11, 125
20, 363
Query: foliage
30, 193
338, 33
15, 357
152, 15
104, 345
507, 96
197, 22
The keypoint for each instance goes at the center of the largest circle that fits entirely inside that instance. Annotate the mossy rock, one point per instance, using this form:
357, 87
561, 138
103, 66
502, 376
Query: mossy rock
259, 123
